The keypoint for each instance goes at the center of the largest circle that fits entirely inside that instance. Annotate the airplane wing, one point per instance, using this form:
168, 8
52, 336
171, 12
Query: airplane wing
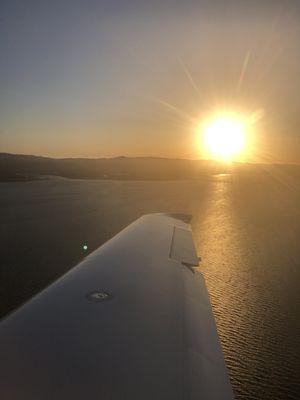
131, 321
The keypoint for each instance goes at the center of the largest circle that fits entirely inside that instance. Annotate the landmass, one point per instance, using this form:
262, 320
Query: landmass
20, 168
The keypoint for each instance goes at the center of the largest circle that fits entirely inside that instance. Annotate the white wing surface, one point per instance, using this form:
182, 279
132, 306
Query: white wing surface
131, 322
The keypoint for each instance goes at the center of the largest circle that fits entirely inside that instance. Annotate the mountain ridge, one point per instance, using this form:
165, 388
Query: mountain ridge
23, 167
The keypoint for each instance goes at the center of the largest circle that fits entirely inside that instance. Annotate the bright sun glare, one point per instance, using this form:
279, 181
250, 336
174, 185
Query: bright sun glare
225, 137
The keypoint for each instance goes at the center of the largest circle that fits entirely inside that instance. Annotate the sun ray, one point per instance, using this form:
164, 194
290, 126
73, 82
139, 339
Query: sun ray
243, 71
189, 76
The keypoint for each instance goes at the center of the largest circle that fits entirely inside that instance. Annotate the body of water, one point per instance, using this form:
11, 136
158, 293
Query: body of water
246, 229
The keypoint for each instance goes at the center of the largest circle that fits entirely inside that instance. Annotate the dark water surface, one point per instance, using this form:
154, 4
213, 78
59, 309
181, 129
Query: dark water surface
247, 230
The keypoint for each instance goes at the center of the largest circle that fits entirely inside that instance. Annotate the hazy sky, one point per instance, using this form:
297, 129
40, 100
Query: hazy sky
105, 78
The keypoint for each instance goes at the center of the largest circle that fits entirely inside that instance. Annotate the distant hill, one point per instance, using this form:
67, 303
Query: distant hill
18, 167
15, 167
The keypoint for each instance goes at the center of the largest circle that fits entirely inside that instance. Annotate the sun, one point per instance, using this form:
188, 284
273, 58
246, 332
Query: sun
225, 137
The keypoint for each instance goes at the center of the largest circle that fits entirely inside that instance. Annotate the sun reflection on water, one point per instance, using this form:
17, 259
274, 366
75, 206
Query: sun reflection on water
219, 244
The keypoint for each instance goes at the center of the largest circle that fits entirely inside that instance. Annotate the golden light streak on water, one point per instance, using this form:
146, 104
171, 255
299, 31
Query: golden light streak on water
221, 244
241, 241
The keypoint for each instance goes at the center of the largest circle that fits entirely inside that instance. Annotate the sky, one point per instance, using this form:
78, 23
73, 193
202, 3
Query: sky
87, 78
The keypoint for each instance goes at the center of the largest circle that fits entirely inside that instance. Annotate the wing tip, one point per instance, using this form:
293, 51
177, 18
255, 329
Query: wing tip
187, 218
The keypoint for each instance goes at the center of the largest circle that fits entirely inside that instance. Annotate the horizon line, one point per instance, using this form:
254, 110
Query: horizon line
149, 157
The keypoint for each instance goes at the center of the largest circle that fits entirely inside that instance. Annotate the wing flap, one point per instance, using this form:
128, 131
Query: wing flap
182, 247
